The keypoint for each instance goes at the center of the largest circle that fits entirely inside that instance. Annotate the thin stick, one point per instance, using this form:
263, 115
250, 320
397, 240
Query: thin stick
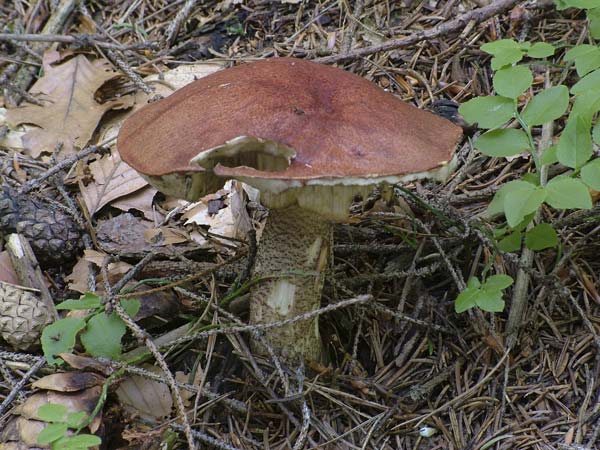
476, 15
83, 40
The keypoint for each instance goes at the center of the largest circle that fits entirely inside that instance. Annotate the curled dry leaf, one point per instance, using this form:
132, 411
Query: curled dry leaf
140, 200
70, 112
68, 381
113, 179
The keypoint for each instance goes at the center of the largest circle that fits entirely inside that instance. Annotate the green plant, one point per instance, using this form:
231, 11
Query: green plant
486, 295
100, 333
57, 433
510, 119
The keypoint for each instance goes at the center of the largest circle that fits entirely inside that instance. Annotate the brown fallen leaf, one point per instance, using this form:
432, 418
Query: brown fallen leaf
112, 179
78, 277
165, 236
7, 271
148, 398
140, 200
70, 113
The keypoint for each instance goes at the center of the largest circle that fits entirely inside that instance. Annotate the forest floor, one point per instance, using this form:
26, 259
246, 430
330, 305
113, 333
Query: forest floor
403, 370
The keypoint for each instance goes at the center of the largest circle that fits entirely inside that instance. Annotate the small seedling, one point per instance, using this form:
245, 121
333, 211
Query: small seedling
62, 431
100, 333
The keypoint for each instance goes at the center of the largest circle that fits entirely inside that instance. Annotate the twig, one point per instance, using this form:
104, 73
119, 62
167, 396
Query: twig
216, 443
55, 23
181, 16
518, 305
351, 30
466, 394
67, 162
361, 299
134, 77
144, 337
80, 40
476, 15
22, 382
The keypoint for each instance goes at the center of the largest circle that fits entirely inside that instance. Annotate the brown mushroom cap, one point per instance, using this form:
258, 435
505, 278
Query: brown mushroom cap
282, 124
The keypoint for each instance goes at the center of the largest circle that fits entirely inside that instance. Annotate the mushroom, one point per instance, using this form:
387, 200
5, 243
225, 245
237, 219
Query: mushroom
310, 137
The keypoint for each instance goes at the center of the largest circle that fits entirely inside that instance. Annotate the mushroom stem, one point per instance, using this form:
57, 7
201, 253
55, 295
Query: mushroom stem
291, 262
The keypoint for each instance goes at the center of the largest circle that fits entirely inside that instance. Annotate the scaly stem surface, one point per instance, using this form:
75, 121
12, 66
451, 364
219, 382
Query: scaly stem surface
290, 262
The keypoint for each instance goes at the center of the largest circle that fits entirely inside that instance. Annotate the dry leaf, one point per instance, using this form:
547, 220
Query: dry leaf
78, 278
181, 75
68, 381
12, 139
7, 271
140, 200
165, 236
112, 179
70, 113
148, 398
231, 221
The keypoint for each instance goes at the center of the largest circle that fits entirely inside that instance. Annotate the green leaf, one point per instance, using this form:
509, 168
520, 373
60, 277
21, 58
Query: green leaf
583, 4
499, 46
466, 299
131, 306
540, 50
593, 16
488, 112
531, 177
568, 193
596, 133
506, 58
52, 432
512, 81
512, 242
498, 282
75, 419
102, 337
575, 143
52, 412
503, 142
80, 441
540, 237
473, 283
590, 174
585, 106
496, 206
586, 57
549, 156
521, 202
86, 301
579, 51
588, 83
546, 106
490, 301
505, 51
59, 337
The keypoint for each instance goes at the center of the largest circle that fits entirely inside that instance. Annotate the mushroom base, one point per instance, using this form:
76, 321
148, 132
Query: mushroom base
290, 264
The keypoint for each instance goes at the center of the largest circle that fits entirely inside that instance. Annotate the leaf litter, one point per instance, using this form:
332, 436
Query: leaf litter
393, 370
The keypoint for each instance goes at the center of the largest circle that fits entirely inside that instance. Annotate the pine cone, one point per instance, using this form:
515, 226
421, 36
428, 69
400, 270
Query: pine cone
22, 316
53, 235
